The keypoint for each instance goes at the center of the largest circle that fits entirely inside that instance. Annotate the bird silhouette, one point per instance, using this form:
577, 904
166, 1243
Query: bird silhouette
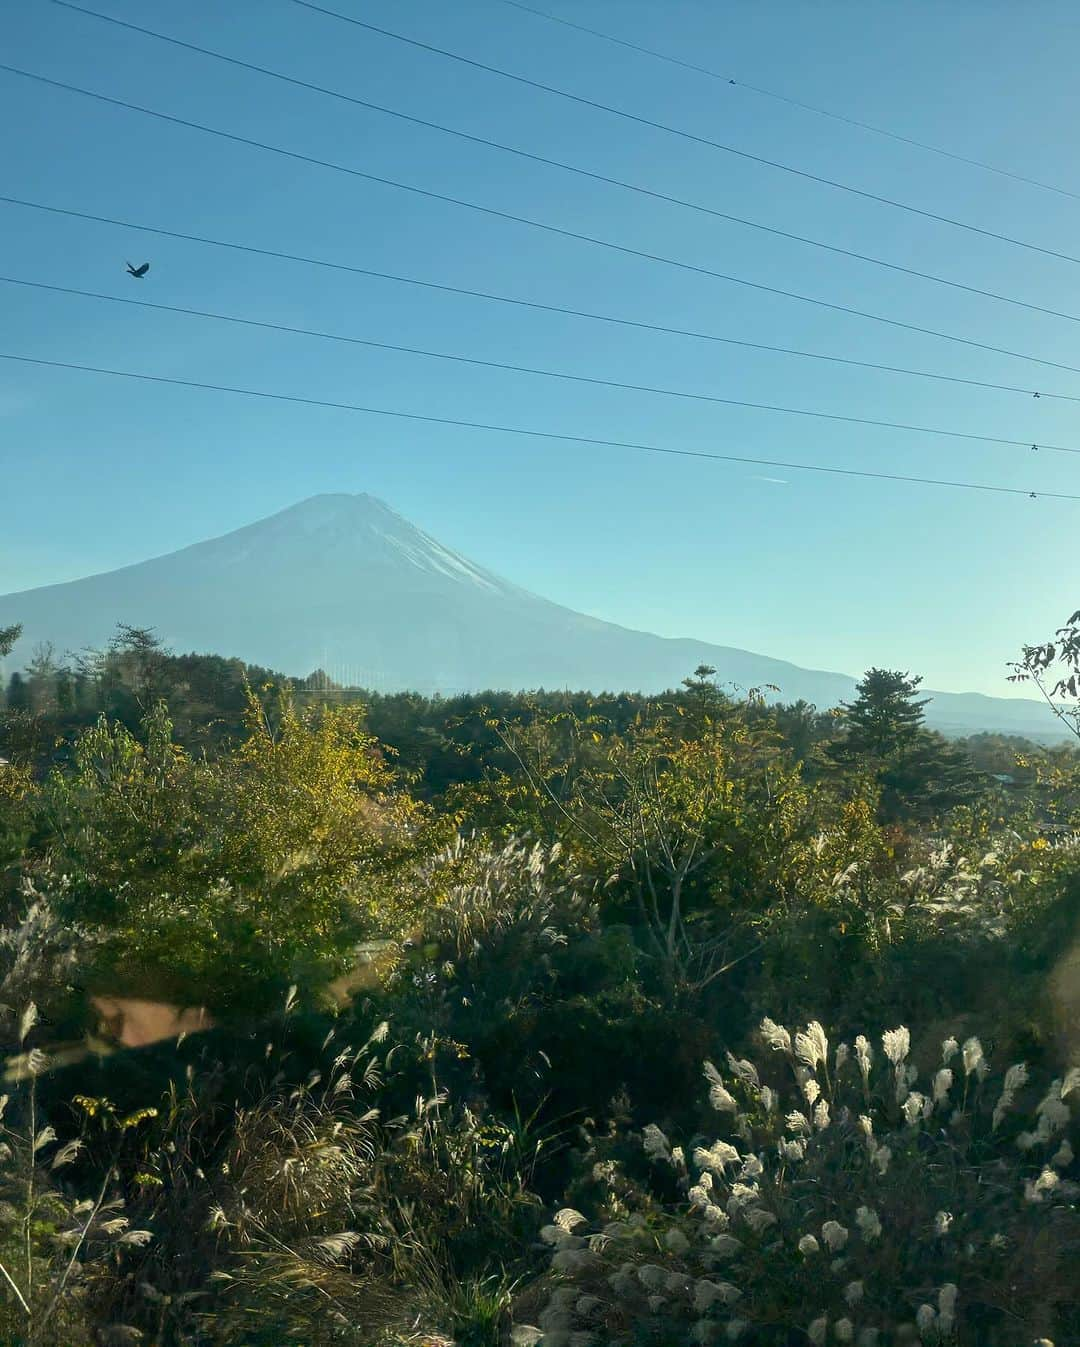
138, 272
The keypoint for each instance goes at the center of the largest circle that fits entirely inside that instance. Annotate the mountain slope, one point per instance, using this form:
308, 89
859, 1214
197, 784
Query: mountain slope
345, 583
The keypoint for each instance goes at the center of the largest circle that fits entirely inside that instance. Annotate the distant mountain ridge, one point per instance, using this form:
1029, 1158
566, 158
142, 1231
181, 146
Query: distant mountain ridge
345, 583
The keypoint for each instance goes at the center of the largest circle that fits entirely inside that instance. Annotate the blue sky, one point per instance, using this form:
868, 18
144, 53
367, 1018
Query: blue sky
829, 572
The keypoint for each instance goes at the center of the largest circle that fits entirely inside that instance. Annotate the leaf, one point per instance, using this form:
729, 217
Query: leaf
27, 1022
140, 1115
91, 1106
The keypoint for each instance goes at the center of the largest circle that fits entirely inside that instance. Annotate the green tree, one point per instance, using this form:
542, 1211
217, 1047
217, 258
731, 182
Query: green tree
702, 698
885, 717
803, 729
916, 773
8, 637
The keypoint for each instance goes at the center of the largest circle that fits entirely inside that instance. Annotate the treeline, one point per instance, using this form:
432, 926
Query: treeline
53, 698
444, 743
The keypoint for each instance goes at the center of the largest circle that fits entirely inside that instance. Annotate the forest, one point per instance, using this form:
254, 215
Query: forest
550, 1018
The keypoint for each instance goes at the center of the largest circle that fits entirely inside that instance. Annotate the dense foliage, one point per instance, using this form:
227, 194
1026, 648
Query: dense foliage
842, 1201
456, 968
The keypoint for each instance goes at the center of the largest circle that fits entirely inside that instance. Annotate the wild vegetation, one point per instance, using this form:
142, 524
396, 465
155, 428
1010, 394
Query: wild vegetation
516, 1018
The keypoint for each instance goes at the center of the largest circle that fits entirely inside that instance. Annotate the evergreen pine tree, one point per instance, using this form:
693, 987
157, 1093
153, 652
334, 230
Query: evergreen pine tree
885, 718
918, 773
8, 637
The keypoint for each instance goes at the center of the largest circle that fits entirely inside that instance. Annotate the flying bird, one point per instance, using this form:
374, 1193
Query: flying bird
138, 272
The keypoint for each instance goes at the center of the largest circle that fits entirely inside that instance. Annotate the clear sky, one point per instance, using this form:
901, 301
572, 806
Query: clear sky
829, 572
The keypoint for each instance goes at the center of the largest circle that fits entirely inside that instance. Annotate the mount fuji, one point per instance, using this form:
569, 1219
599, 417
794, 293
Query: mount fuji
344, 583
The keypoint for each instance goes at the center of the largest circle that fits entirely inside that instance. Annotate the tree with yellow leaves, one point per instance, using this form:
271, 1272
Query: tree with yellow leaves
222, 882
700, 824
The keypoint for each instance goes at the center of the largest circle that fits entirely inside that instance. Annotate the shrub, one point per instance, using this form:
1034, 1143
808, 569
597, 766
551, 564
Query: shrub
223, 881
538, 1006
841, 1203
933, 927
454, 1190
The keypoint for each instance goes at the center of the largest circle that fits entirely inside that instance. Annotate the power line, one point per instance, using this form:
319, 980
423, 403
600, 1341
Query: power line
575, 169
689, 135
586, 314
562, 375
795, 102
533, 434
494, 213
